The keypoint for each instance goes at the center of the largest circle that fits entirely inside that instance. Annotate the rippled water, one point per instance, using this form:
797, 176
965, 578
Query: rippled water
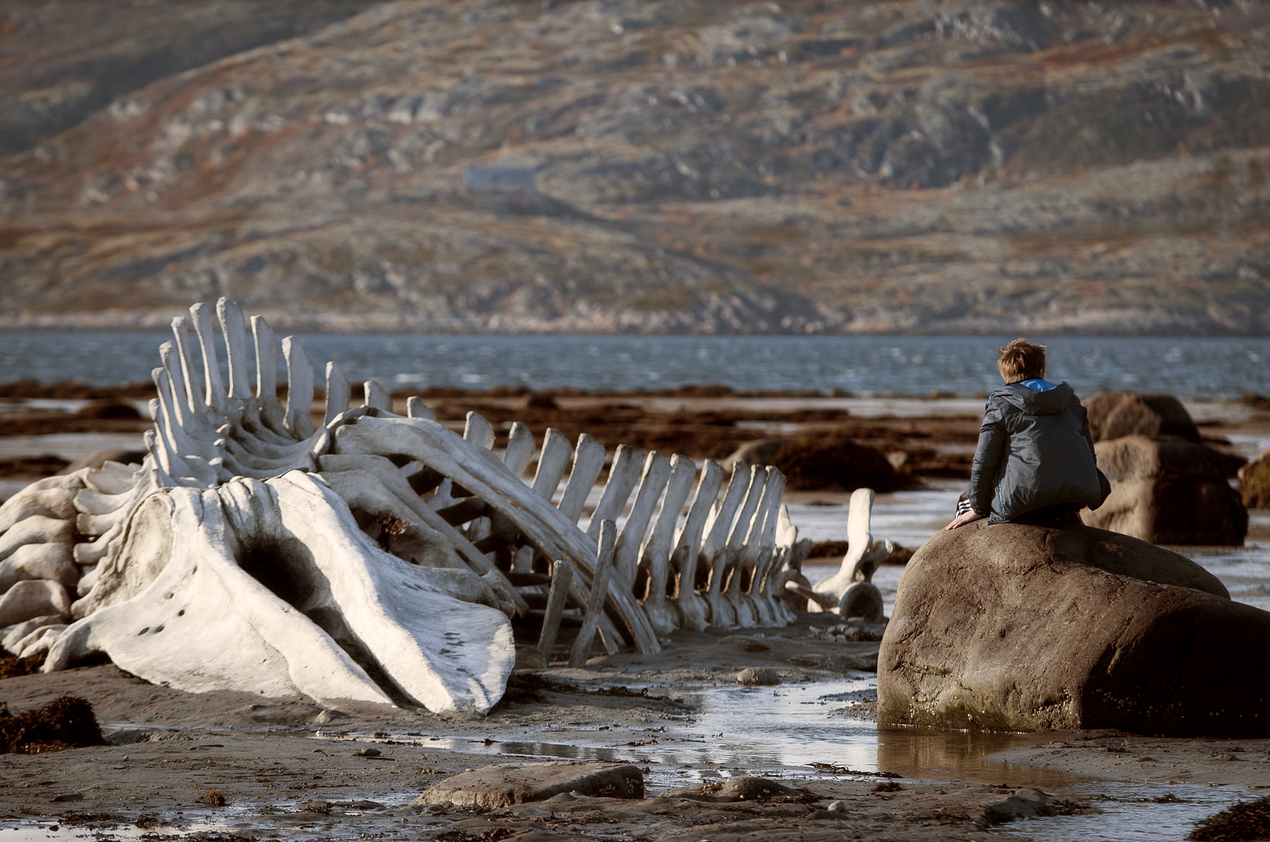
861, 365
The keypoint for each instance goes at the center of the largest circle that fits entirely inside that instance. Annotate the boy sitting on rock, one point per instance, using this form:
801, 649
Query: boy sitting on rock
1035, 458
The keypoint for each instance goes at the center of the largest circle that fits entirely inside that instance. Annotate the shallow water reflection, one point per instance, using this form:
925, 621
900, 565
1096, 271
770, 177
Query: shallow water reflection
959, 755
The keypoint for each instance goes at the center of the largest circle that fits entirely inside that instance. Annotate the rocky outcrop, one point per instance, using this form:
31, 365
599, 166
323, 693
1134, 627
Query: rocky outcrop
1169, 491
711, 167
1017, 627
1113, 415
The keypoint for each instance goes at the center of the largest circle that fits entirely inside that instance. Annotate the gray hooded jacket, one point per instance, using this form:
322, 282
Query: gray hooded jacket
1035, 452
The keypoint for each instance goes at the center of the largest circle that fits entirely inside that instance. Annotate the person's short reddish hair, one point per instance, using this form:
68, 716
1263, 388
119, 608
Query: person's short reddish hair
1021, 360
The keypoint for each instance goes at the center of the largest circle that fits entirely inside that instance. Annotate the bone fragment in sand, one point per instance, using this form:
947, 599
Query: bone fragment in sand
861, 560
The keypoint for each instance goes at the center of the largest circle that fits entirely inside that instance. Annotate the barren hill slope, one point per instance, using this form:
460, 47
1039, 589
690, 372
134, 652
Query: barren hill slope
957, 166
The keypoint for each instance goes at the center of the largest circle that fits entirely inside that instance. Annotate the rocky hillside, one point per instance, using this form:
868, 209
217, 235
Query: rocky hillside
830, 166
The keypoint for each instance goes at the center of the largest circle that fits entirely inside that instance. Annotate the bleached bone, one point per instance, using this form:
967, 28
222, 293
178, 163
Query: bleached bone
599, 586
714, 551
758, 551
692, 608
53, 497
588, 462
655, 554
39, 641
396, 493
862, 556
730, 577
652, 483
282, 569
561, 581
19, 632
435, 445
28, 598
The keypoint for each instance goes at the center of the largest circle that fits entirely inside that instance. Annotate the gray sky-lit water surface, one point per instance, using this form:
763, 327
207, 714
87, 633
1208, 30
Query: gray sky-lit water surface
860, 365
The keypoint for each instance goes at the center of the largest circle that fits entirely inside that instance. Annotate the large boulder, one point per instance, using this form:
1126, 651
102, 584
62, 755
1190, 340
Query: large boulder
1113, 415
1017, 627
1169, 491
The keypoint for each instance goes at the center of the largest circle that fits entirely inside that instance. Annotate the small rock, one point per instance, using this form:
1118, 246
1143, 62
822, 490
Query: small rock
368, 752
329, 715
862, 663
747, 644
502, 785
747, 788
838, 807
128, 737
758, 677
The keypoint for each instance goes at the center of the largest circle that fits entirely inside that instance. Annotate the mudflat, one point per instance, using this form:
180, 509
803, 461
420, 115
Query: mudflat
237, 766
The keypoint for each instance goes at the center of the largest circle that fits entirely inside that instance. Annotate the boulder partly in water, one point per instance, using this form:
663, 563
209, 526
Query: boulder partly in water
1017, 627
1113, 415
1169, 491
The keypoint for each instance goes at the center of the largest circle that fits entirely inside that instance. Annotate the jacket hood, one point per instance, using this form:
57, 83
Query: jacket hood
1038, 397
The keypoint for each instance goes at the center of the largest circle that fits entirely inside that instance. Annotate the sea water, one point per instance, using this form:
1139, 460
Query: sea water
860, 365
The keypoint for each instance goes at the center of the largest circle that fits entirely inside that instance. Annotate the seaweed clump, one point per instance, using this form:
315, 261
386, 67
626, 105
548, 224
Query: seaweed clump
1247, 820
66, 722
12, 666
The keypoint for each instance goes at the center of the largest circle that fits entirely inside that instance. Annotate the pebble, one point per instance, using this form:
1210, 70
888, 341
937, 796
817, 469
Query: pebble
758, 677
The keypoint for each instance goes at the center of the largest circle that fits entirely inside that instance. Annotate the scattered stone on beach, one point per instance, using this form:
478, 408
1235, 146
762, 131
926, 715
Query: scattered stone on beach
1115, 414
66, 722
853, 631
1243, 821
1016, 627
504, 784
744, 788
860, 662
746, 643
758, 677
751, 788
1169, 491
329, 715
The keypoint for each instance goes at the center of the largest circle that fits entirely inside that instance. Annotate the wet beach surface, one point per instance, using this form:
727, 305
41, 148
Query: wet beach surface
232, 765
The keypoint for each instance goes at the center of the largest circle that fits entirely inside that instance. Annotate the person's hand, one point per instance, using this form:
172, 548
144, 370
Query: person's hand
964, 518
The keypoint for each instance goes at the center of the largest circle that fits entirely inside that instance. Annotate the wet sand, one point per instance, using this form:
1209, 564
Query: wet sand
233, 765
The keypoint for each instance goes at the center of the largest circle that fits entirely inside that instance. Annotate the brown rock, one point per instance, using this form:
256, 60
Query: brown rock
748, 788
812, 463
1113, 415
1168, 491
758, 677
1018, 627
504, 784
757, 452
1254, 482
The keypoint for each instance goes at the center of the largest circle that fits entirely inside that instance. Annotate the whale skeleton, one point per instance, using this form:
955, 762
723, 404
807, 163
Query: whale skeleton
372, 556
